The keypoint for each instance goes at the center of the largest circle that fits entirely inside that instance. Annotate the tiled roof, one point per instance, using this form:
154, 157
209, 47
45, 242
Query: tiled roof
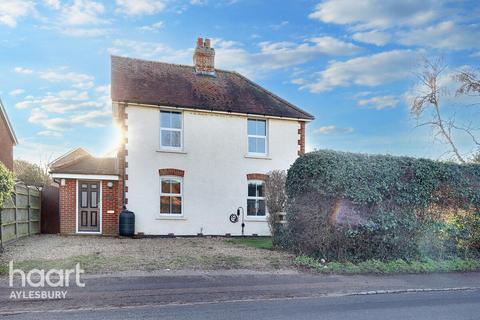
158, 83
87, 164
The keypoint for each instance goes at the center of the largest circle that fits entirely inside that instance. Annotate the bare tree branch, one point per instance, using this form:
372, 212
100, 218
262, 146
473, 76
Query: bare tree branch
430, 98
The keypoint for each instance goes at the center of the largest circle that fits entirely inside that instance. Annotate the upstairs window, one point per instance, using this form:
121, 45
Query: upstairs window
171, 130
257, 137
171, 196
256, 199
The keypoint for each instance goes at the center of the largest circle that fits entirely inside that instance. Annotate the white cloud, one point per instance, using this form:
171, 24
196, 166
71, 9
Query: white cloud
49, 133
375, 37
368, 14
93, 119
139, 7
23, 70
16, 92
60, 102
232, 55
444, 35
332, 129
62, 75
379, 102
150, 50
55, 4
58, 112
12, 10
85, 32
41, 118
277, 55
369, 70
82, 12
153, 27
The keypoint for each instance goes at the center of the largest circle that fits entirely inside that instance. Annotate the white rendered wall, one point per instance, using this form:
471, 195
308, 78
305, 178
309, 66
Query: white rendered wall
215, 165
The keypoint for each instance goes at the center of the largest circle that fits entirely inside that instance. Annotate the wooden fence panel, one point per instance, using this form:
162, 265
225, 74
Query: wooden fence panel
20, 215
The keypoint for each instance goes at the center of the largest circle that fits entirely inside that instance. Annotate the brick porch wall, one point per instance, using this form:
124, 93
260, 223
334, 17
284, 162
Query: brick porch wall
110, 202
68, 212
68, 194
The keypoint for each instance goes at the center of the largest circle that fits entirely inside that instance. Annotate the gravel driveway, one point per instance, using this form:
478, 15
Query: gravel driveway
105, 255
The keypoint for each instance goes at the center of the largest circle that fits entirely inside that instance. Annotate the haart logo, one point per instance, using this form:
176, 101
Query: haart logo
39, 278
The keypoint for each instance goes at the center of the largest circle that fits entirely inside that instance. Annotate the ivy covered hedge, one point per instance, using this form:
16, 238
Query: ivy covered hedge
345, 206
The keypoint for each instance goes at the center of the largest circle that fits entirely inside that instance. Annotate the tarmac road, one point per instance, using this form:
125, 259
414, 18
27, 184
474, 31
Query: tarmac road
257, 296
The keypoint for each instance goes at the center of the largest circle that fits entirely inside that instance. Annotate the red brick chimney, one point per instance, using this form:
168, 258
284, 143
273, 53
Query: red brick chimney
204, 57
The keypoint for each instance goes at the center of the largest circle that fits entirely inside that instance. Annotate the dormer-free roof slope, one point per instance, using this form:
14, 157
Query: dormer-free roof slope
79, 161
165, 84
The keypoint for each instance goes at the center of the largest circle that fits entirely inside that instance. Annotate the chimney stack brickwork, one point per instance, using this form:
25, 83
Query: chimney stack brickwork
204, 57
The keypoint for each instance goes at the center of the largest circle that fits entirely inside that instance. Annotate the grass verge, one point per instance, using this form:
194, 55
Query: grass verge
254, 242
387, 267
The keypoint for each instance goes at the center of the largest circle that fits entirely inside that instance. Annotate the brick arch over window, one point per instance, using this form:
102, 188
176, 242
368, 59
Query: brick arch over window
171, 172
257, 176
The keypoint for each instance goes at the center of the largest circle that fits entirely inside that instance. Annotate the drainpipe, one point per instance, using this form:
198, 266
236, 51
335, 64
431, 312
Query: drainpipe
124, 133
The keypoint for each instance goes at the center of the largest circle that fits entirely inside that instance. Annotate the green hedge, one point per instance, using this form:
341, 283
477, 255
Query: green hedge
6, 183
402, 208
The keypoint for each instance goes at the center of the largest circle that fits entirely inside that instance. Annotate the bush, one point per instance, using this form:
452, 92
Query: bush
276, 199
345, 206
6, 183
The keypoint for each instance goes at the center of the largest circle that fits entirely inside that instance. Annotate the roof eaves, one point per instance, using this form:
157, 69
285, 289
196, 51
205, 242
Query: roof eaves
308, 116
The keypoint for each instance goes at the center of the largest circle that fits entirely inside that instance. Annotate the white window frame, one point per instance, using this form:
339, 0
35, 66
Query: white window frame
256, 217
162, 147
176, 178
261, 154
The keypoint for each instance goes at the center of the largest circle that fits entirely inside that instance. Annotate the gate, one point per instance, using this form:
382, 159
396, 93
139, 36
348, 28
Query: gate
50, 210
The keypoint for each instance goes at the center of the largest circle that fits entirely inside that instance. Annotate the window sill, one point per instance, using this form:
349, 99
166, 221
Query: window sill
253, 156
170, 217
171, 151
256, 219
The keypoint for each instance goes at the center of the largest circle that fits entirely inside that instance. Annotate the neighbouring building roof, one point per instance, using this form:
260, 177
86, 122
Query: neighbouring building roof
79, 161
3, 113
165, 84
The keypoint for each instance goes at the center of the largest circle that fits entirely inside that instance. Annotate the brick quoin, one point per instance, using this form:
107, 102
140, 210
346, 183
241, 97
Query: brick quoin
257, 176
122, 121
301, 141
171, 172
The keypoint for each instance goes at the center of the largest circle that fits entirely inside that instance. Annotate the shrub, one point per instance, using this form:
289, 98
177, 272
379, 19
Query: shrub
275, 198
6, 183
346, 206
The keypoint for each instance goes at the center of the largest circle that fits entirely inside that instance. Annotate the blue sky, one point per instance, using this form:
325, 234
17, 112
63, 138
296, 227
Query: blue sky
351, 65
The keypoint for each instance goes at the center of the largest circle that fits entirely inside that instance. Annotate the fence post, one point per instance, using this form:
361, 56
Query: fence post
1, 227
28, 210
15, 210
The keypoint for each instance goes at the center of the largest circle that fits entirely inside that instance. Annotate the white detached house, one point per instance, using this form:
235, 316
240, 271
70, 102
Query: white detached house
198, 142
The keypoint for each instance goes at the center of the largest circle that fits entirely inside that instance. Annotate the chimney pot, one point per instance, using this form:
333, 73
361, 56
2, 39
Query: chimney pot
204, 57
